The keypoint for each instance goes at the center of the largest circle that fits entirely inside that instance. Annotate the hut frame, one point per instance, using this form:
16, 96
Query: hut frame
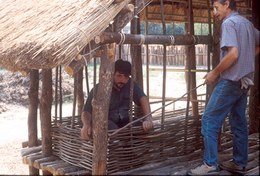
63, 152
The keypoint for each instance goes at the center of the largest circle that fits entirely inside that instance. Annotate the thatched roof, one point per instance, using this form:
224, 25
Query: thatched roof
43, 33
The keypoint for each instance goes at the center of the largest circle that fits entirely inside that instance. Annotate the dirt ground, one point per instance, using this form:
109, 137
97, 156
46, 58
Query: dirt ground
13, 129
13, 120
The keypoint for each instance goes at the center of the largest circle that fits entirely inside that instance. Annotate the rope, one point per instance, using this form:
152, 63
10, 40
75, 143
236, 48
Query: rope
194, 40
120, 129
142, 41
122, 38
172, 39
91, 51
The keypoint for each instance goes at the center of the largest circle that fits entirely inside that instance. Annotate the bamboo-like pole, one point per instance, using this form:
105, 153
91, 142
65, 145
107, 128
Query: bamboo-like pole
75, 92
56, 95
80, 94
86, 79
147, 61
164, 66
120, 38
60, 93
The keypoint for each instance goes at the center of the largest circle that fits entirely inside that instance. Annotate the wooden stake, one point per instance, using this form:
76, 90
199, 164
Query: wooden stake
45, 111
100, 110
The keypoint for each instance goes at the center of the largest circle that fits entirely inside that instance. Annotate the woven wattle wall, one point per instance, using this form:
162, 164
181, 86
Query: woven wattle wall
128, 148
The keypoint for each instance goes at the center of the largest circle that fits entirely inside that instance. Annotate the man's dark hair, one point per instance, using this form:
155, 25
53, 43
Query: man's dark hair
232, 3
123, 67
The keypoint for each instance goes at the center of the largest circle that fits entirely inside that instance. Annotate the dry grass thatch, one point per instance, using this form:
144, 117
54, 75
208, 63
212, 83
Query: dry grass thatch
43, 34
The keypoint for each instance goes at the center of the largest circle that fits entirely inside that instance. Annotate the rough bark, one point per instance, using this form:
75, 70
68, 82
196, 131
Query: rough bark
45, 111
32, 114
100, 104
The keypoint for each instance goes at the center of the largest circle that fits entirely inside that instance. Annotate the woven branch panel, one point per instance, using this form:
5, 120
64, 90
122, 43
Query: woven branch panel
69, 147
131, 147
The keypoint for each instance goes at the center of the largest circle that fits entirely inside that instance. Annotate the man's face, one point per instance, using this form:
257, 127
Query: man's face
120, 80
220, 11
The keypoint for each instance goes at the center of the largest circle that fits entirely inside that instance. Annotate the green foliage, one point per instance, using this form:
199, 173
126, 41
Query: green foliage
201, 29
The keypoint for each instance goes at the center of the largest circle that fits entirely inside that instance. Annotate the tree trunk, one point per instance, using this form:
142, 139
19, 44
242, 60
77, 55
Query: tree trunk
45, 112
100, 104
32, 114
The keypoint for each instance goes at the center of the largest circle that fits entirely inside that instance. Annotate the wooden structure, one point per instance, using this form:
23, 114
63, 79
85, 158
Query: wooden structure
176, 133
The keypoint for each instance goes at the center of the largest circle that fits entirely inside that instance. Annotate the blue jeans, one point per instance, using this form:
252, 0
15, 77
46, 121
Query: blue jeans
227, 97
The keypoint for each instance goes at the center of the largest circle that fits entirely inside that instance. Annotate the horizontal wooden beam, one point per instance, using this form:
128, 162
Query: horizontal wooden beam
120, 38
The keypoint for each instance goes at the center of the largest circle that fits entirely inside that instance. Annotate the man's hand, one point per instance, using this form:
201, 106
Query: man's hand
85, 132
147, 125
211, 77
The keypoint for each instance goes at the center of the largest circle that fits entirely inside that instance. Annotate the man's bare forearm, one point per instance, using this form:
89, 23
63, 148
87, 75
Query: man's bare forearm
86, 118
145, 105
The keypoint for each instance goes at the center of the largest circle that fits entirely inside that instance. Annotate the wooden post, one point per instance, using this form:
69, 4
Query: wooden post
45, 112
191, 64
80, 95
100, 104
254, 101
32, 114
136, 54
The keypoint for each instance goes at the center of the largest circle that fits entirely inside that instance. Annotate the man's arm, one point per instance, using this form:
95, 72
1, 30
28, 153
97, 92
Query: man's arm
148, 121
225, 63
87, 127
257, 50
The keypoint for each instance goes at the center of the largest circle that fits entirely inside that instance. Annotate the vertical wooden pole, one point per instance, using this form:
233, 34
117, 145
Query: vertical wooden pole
32, 114
136, 54
137, 65
191, 64
45, 112
147, 59
254, 101
80, 95
164, 66
100, 104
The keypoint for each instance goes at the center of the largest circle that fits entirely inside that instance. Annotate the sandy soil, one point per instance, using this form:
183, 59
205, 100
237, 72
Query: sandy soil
13, 129
13, 120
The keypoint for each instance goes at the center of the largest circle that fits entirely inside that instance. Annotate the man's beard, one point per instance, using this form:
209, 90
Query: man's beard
119, 86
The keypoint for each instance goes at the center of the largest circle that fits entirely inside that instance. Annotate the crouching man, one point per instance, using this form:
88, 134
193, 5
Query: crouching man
119, 102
